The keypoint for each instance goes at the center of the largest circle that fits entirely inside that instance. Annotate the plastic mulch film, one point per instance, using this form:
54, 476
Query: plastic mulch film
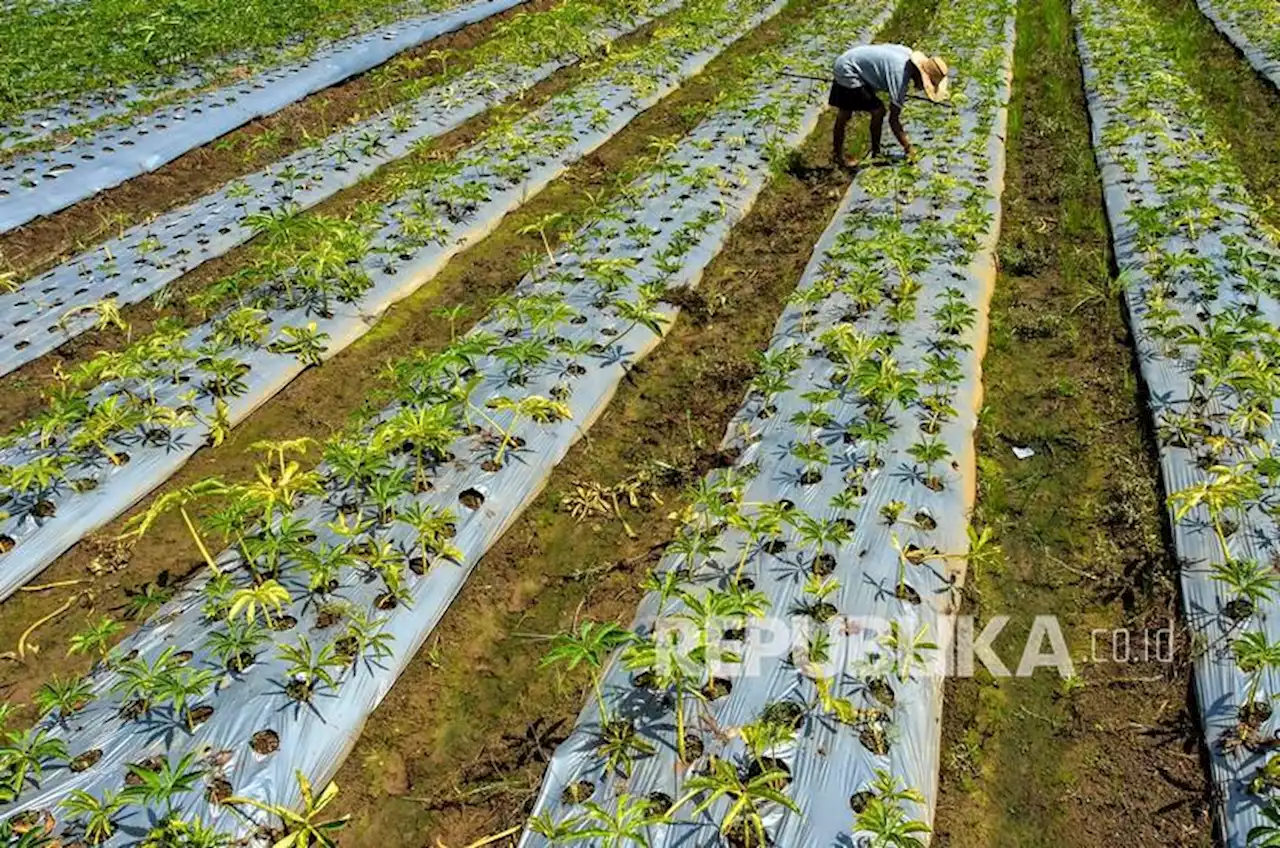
405, 508
1253, 26
42, 122
138, 429
38, 184
61, 303
54, 116
1201, 271
797, 624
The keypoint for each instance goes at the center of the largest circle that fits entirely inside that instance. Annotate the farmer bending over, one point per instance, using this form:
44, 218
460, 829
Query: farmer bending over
870, 68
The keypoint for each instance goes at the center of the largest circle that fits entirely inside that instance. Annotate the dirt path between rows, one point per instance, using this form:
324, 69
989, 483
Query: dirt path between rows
1111, 757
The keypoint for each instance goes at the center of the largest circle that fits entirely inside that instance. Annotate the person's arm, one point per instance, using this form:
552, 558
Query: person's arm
895, 124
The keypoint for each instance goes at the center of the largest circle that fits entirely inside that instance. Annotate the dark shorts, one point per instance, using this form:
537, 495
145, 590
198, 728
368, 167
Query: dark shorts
860, 99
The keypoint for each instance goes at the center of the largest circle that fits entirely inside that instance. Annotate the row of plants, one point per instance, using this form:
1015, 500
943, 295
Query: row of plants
60, 115
1253, 26
330, 578
36, 182
781, 684
122, 422
91, 57
89, 290
1201, 272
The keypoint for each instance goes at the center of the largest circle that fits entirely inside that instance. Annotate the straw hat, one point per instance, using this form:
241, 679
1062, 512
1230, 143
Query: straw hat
933, 73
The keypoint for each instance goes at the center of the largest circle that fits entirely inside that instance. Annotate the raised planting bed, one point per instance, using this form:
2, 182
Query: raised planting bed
1253, 26
1200, 271
268, 662
125, 422
87, 290
40, 183
73, 64
782, 683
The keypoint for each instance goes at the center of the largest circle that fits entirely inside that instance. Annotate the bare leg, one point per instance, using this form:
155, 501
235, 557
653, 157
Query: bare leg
837, 136
877, 130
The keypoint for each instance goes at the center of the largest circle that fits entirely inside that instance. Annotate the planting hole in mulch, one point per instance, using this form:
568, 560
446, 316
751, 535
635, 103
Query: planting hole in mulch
1238, 609
916, 555
926, 521
717, 688
265, 742
774, 547
362, 549
693, 747
44, 509
819, 611
823, 565
1255, 714
767, 764
219, 790
858, 801
199, 715
784, 714
6, 544
182, 657
328, 617
133, 710
578, 793
284, 622
740, 835
472, 499
644, 680
873, 738
882, 691
85, 761
34, 822
811, 477
149, 764
903, 592
387, 601
240, 661
659, 803
347, 648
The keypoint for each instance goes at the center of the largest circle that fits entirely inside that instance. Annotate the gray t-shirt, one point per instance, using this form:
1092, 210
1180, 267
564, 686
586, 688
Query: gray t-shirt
880, 67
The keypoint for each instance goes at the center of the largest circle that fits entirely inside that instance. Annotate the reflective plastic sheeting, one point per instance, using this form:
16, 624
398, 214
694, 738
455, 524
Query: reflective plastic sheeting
871, 543
36, 184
